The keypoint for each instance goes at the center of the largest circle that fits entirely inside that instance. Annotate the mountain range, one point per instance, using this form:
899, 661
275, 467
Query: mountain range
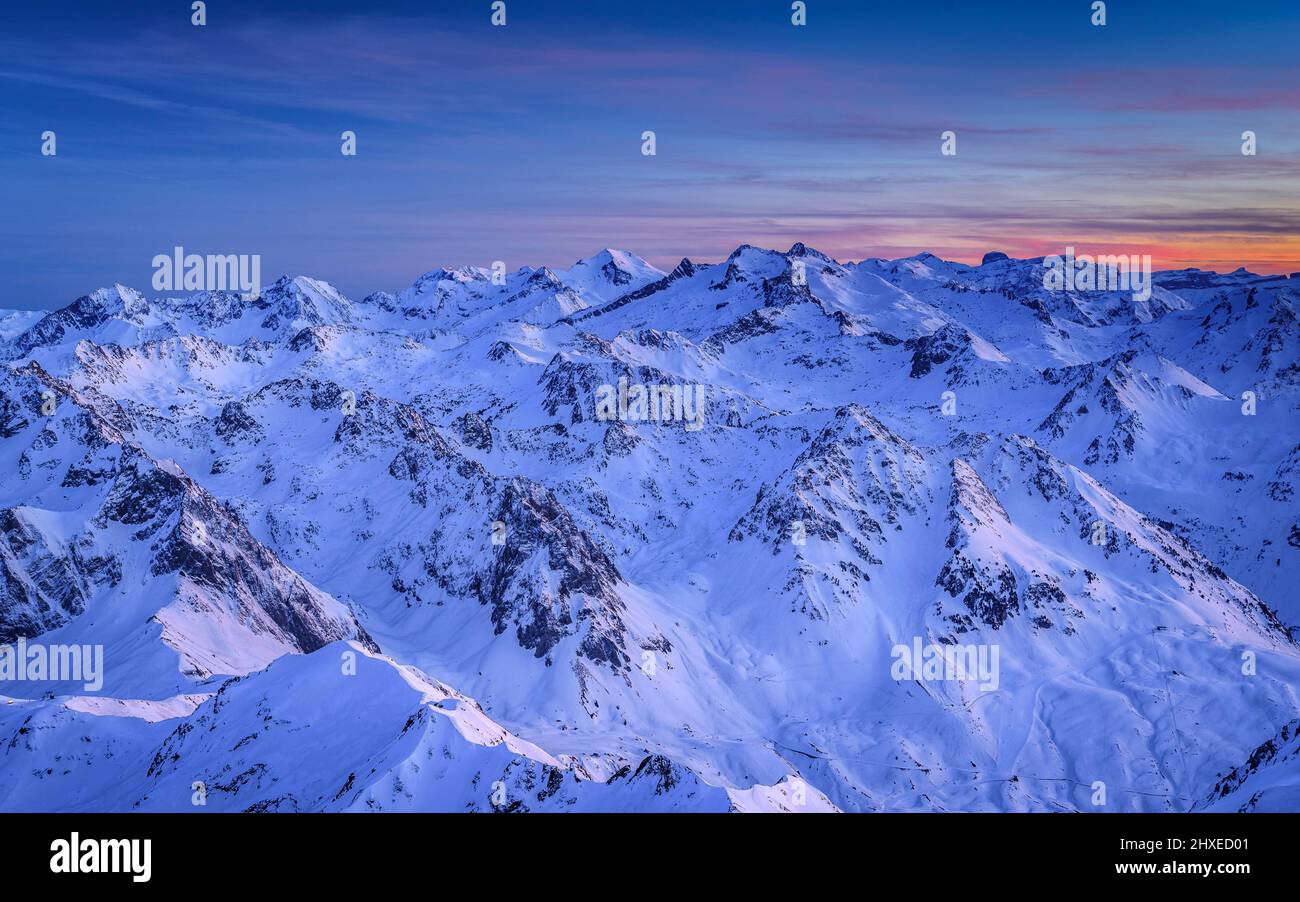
392, 554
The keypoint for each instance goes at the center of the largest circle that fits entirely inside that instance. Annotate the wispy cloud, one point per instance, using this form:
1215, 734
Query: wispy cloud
524, 142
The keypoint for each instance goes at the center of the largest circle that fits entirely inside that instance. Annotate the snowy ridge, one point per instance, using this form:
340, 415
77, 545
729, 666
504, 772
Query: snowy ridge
395, 553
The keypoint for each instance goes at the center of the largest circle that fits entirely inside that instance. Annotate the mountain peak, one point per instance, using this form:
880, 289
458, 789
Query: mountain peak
799, 249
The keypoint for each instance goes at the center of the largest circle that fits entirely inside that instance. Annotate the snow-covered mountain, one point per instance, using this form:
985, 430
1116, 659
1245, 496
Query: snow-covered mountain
614, 538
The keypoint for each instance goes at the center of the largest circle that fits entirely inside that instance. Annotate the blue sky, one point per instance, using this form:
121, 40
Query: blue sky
523, 143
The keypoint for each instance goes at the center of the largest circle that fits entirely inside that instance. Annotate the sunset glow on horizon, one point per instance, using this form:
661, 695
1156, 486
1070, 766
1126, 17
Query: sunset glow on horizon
523, 143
